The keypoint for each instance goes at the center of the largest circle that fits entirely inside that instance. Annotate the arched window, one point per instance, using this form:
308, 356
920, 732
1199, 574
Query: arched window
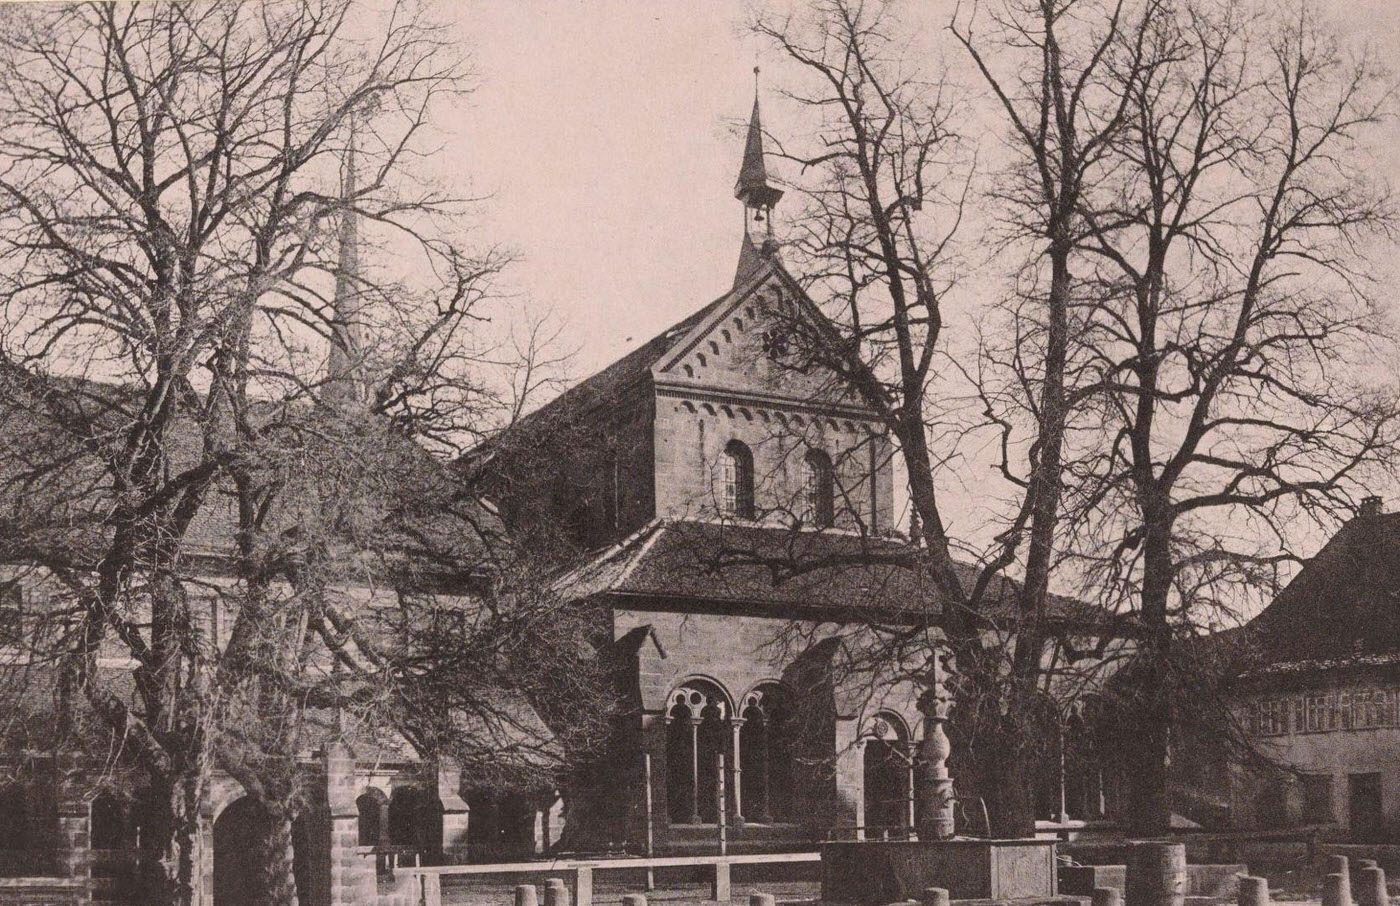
698, 727
736, 481
888, 776
373, 812
818, 489
766, 759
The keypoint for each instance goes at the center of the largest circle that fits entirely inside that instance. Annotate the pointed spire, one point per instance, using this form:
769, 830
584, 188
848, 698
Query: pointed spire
758, 195
753, 188
345, 386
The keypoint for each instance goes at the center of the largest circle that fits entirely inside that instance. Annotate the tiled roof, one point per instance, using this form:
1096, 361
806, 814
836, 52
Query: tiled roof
54, 493
1343, 605
748, 567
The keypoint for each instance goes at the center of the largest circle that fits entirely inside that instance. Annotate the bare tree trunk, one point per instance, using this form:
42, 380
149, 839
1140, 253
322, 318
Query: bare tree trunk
1149, 757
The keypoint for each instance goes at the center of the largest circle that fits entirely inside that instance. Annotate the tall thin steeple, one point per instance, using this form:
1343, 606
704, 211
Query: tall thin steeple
758, 195
345, 384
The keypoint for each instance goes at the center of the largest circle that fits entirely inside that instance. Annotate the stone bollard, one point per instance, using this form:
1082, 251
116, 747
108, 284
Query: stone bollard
935, 896
761, 899
1336, 865
1254, 891
1336, 889
1156, 874
1106, 896
719, 883
1370, 887
525, 895
633, 899
555, 893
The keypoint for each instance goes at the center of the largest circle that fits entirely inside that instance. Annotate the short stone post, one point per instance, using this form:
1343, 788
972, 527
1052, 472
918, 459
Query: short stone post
719, 886
1336, 865
761, 899
1370, 887
1254, 891
555, 893
1156, 874
525, 895
633, 899
935, 896
431, 890
583, 886
1106, 896
1336, 890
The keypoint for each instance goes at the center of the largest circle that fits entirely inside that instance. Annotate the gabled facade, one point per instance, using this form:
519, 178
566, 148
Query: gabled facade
677, 486
1322, 695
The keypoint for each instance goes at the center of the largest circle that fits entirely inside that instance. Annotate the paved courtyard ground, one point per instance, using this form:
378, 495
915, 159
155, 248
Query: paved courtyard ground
487, 893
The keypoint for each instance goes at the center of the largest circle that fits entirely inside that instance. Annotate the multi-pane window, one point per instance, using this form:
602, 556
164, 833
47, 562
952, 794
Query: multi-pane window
1316, 713
1273, 717
736, 481
819, 487
1321, 712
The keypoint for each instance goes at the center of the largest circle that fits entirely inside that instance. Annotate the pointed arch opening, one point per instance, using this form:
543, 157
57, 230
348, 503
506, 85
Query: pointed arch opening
372, 807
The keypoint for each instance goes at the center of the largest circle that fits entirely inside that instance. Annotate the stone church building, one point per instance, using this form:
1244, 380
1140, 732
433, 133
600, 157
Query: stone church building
717, 498
731, 520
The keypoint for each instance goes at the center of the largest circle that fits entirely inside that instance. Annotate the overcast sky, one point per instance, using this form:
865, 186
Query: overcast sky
605, 132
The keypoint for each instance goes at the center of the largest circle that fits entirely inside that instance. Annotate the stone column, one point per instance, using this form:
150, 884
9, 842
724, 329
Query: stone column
935, 703
910, 792
456, 813
352, 875
74, 844
736, 726
695, 723
766, 810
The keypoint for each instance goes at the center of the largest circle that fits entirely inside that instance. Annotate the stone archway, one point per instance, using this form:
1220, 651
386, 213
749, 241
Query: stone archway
237, 832
698, 729
887, 760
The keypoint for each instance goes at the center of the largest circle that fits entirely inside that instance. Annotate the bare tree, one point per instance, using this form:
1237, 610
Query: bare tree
887, 188
1225, 308
174, 266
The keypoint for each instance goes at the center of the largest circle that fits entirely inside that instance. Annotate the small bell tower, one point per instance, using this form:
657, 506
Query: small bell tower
758, 196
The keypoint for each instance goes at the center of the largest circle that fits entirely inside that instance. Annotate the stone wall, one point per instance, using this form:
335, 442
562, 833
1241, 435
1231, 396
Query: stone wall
738, 654
691, 435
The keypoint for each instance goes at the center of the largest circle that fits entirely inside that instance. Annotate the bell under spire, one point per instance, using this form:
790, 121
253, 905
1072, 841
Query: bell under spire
753, 188
759, 197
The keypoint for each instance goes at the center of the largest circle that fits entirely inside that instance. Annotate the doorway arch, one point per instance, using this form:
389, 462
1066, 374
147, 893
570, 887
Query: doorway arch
887, 761
238, 830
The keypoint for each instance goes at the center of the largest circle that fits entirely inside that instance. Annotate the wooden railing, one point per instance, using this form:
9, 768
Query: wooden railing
423, 886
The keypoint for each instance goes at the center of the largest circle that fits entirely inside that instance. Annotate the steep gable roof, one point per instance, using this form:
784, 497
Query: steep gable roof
1345, 603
